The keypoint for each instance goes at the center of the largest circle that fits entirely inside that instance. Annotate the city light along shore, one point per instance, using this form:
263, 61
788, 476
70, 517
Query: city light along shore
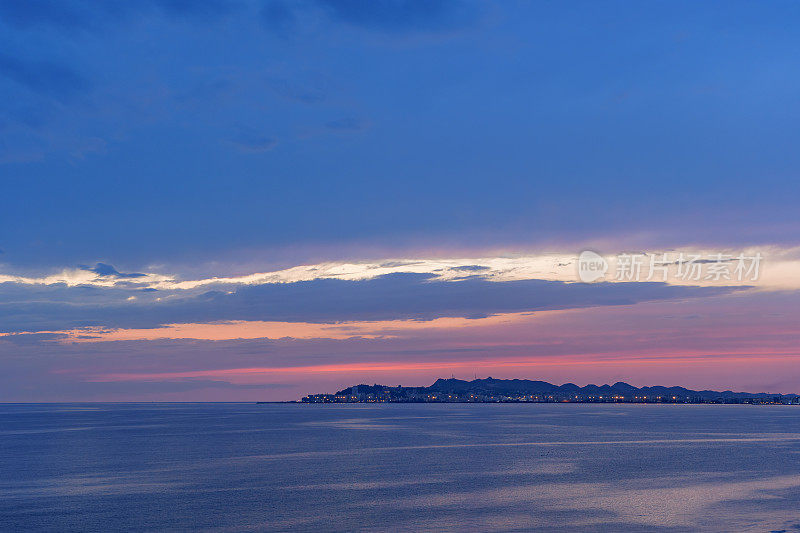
490, 390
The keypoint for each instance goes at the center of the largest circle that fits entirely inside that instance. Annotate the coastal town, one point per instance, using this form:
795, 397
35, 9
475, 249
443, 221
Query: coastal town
525, 391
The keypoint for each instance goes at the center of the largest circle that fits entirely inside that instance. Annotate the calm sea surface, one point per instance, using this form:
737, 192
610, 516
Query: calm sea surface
504, 467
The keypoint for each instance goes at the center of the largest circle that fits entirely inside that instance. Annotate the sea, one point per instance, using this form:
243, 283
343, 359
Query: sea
399, 467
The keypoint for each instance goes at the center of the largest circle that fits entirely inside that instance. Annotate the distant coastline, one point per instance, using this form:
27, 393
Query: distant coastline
490, 390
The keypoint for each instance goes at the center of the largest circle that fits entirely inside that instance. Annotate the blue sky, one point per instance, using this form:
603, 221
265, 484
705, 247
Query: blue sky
179, 130
214, 138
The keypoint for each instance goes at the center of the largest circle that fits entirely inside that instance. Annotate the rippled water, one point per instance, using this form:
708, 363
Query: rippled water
400, 467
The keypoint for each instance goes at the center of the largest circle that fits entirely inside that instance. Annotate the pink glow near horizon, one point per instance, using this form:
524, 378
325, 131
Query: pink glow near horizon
235, 374
746, 341
685, 343
241, 329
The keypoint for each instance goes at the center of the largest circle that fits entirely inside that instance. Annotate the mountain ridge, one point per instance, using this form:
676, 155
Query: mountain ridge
620, 387
525, 390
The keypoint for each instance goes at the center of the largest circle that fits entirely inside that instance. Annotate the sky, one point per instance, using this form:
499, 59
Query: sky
256, 200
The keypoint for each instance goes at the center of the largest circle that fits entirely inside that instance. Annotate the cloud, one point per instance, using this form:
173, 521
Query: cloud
471, 268
88, 277
90, 388
22, 339
635, 342
777, 272
251, 142
390, 297
176, 385
102, 269
390, 289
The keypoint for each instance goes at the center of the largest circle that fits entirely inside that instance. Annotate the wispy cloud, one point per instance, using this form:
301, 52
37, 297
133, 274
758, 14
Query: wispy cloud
387, 297
250, 140
777, 271
645, 343
104, 270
